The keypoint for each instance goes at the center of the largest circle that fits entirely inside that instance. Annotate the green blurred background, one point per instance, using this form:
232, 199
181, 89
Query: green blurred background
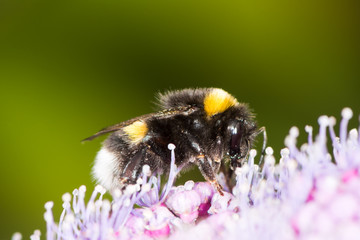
69, 68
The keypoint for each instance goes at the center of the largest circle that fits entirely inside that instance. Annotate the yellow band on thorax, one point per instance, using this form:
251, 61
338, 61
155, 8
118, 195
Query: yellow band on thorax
218, 101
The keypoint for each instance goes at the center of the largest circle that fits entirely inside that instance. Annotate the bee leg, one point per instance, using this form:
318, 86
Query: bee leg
263, 131
228, 174
207, 170
217, 164
236, 163
132, 168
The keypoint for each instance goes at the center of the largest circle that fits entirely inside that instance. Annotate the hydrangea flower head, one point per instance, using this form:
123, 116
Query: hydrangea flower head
311, 192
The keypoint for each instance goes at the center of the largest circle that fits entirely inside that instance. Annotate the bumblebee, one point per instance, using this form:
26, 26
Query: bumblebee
208, 126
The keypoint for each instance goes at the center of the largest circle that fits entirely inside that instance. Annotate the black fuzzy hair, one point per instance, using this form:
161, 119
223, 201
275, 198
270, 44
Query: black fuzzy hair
183, 98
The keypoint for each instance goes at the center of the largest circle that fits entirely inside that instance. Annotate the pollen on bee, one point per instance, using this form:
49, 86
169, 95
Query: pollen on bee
136, 131
217, 101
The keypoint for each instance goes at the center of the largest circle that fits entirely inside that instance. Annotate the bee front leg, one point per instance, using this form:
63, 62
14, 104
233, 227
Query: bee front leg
207, 170
236, 163
228, 173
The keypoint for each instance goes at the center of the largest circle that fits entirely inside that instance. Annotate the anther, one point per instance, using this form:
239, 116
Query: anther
146, 170
269, 151
49, 205
332, 121
294, 132
82, 189
99, 189
171, 146
308, 128
285, 152
323, 120
189, 185
66, 197
252, 153
347, 113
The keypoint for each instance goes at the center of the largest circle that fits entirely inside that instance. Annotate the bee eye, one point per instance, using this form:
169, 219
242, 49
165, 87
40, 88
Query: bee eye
237, 140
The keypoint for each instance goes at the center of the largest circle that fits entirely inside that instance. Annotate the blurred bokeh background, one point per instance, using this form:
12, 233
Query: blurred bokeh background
69, 68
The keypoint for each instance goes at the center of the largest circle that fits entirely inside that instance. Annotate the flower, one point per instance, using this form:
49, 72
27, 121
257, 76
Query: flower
310, 193
184, 202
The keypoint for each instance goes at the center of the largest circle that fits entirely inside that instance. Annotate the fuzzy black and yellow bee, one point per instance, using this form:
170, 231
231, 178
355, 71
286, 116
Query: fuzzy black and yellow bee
208, 126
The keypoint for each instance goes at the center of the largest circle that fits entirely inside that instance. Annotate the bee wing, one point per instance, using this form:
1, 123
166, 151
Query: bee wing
117, 126
161, 114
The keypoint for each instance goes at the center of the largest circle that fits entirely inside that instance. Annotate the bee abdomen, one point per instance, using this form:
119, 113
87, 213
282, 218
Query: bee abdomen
106, 168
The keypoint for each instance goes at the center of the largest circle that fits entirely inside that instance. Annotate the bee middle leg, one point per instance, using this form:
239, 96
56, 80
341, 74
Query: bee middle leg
207, 170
